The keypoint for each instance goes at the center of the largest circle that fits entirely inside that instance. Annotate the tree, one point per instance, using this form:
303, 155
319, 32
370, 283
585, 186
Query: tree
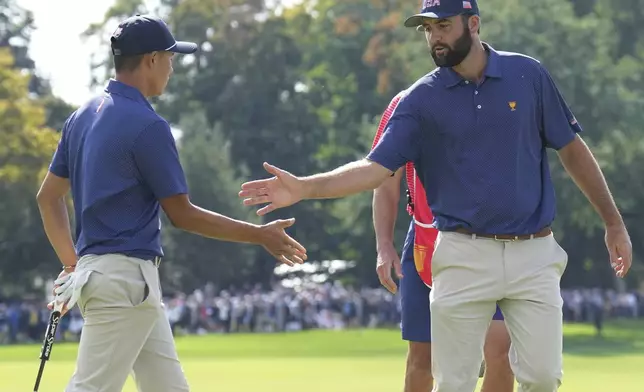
28, 110
26, 146
599, 78
303, 88
194, 260
16, 26
248, 87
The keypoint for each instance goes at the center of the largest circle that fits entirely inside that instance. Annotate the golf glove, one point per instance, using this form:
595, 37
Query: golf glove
69, 287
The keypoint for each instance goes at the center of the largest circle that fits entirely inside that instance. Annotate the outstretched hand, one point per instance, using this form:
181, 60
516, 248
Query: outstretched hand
282, 190
280, 245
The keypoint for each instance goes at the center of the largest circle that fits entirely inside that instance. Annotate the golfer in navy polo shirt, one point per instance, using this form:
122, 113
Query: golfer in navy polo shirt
477, 129
120, 160
414, 273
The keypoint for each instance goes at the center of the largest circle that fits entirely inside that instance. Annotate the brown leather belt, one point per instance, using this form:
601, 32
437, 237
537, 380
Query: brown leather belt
508, 237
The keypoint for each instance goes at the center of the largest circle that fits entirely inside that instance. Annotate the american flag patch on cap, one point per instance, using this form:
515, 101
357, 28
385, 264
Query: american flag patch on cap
467, 5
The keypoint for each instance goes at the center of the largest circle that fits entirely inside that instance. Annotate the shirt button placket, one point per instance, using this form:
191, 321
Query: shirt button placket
477, 103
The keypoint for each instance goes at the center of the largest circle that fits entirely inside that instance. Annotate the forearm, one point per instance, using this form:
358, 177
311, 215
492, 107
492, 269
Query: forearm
352, 178
582, 167
212, 225
385, 211
57, 228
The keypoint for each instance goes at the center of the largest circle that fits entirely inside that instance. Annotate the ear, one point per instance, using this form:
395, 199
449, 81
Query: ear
146, 61
474, 23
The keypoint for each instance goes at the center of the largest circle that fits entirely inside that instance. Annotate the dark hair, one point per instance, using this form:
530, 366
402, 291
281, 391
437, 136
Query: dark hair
466, 18
127, 63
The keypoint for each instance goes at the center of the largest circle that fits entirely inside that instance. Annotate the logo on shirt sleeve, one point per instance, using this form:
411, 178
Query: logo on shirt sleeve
512, 105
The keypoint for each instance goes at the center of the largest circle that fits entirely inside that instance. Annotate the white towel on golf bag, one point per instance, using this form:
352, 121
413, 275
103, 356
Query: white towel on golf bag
70, 287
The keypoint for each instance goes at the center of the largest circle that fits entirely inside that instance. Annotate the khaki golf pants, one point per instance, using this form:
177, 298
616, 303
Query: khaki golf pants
125, 330
470, 275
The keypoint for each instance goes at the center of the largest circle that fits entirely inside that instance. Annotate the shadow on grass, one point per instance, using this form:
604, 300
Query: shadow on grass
617, 338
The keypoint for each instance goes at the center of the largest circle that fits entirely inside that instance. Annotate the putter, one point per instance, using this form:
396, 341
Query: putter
50, 335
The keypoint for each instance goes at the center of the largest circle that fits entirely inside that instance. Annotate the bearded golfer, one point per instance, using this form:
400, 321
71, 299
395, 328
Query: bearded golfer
120, 160
416, 280
477, 130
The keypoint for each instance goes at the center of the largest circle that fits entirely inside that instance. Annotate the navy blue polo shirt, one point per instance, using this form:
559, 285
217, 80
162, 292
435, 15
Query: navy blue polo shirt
121, 158
480, 150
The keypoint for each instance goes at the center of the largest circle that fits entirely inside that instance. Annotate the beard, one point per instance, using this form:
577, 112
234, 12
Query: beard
452, 56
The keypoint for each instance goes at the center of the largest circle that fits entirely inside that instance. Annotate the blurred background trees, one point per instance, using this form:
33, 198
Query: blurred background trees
303, 86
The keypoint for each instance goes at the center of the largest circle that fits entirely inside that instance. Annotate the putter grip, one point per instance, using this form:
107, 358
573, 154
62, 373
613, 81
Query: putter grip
50, 334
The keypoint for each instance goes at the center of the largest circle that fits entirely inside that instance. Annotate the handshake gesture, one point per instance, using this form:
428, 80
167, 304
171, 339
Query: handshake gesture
280, 191
279, 244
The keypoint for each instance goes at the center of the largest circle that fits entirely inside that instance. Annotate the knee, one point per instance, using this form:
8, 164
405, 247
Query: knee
542, 378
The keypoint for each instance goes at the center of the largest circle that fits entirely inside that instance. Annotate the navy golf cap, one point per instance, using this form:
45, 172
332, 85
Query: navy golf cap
441, 9
142, 34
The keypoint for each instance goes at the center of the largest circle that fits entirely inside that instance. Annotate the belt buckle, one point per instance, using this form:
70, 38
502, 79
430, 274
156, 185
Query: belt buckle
496, 238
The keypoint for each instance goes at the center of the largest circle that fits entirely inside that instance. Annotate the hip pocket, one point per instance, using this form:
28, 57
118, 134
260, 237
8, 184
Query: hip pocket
152, 292
122, 288
560, 258
88, 290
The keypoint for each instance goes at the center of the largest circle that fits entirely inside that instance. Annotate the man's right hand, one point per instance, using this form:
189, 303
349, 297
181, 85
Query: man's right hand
620, 249
388, 258
278, 243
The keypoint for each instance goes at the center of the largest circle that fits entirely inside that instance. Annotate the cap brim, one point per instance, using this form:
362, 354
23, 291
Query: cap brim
417, 20
183, 47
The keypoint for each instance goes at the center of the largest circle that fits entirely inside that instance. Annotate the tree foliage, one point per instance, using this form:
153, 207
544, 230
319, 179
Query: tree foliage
303, 88
26, 145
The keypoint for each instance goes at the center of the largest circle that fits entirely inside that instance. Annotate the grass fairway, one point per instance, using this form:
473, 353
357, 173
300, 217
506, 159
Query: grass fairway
324, 361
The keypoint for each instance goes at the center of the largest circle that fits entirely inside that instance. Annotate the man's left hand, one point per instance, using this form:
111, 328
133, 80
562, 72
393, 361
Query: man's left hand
620, 249
67, 290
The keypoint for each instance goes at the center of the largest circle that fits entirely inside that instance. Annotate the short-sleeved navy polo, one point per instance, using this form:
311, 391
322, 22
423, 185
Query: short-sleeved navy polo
121, 158
480, 150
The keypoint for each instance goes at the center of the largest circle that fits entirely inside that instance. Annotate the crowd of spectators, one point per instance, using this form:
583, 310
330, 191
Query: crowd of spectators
318, 306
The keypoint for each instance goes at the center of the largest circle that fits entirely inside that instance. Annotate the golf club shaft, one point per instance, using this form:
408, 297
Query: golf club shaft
39, 377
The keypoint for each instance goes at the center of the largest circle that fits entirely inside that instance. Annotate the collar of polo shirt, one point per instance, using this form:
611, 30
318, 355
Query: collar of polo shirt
492, 68
122, 89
